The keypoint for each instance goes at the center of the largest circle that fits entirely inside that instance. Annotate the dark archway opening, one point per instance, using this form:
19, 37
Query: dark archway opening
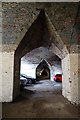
43, 71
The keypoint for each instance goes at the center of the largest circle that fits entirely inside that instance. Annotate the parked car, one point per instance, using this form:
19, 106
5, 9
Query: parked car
58, 78
24, 80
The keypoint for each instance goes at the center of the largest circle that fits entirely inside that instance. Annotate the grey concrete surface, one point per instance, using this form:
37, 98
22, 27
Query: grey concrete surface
41, 100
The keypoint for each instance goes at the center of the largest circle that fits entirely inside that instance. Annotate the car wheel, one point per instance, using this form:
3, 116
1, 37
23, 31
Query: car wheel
21, 87
30, 81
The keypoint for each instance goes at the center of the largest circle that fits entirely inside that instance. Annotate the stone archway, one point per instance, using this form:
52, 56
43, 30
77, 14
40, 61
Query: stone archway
42, 71
43, 33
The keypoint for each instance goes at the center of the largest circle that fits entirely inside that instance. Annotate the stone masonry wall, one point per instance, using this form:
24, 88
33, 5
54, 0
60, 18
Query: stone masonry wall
17, 18
70, 86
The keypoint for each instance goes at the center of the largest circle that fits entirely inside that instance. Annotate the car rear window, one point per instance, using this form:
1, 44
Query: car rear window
59, 75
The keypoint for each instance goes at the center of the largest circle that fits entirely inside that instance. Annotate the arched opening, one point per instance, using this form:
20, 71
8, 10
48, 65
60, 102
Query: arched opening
40, 63
42, 71
43, 33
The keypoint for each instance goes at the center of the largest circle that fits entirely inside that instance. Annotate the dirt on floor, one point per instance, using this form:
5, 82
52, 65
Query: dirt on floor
41, 100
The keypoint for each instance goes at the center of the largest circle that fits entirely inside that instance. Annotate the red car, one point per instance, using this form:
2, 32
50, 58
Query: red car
58, 78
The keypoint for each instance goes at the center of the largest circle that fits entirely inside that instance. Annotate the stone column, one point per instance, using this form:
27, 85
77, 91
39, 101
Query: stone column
7, 76
70, 83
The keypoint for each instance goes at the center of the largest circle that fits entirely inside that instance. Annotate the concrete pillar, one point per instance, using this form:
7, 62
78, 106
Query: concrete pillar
71, 83
7, 76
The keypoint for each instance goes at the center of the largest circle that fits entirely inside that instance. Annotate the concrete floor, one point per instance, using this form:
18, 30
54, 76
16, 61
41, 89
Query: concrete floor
42, 100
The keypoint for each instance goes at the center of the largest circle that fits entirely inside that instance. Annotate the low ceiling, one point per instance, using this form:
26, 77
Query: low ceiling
39, 54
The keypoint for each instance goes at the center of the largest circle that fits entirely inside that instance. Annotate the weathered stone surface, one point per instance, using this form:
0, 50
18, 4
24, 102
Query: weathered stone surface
18, 17
66, 85
8, 47
0, 24
23, 25
70, 67
63, 15
0, 76
7, 76
79, 76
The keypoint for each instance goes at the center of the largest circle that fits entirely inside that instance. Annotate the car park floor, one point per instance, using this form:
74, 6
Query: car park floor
41, 100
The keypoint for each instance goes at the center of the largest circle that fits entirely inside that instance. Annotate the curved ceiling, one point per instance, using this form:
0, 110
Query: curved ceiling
39, 54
